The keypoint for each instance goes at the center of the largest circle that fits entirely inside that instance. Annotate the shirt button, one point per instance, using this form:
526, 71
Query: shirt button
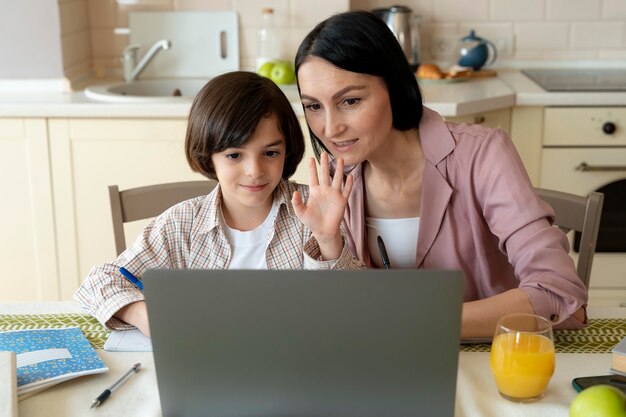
554, 317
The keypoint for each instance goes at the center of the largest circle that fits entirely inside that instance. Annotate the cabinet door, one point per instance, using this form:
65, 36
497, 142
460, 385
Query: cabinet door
88, 155
27, 247
496, 118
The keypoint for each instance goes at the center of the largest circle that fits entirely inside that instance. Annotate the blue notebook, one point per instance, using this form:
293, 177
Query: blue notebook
46, 357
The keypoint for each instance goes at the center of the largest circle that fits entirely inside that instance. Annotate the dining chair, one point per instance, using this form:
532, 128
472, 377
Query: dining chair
581, 214
149, 201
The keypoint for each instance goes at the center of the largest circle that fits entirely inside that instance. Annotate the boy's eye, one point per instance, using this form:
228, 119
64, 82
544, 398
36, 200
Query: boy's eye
234, 155
272, 153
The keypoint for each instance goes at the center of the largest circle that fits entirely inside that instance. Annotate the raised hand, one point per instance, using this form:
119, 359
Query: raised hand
323, 212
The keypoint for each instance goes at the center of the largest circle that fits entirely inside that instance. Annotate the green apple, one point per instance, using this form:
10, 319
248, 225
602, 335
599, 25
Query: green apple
266, 69
282, 73
599, 401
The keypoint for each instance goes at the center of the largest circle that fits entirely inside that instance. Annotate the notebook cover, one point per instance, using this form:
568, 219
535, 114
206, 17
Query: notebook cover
45, 357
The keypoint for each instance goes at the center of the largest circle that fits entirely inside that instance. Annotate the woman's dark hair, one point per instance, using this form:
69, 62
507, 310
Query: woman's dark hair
359, 41
226, 112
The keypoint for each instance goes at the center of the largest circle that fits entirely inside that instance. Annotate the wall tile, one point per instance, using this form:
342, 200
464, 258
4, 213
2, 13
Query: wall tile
250, 12
76, 47
516, 10
570, 55
600, 35
103, 43
213, 5
306, 14
102, 13
541, 35
573, 9
615, 54
456, 11
614, 9
73, 16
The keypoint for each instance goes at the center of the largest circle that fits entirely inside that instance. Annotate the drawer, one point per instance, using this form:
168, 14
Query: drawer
496, 118
584, 126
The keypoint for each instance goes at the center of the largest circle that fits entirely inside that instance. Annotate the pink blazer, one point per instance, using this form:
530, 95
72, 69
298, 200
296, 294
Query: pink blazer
480, 214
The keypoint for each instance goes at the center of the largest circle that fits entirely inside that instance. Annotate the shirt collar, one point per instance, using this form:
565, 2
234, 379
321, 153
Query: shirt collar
211, 210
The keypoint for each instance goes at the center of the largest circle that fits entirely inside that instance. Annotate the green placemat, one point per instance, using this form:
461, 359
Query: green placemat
600, 336
96, 333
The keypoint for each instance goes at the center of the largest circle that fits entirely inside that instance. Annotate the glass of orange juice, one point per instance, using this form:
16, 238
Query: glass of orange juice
522, 356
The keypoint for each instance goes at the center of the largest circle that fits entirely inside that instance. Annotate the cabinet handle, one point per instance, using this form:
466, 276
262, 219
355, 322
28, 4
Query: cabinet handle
584, 167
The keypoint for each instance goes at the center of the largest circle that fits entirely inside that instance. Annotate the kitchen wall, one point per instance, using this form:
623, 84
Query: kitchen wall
528, 32
294, 17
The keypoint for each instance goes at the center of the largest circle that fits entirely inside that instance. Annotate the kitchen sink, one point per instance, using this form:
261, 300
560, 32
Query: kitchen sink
147, 91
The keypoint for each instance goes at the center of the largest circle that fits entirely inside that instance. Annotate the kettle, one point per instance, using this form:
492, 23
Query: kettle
475, 51
405, 28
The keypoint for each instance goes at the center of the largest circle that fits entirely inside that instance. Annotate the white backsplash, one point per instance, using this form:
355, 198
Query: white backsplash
528, 32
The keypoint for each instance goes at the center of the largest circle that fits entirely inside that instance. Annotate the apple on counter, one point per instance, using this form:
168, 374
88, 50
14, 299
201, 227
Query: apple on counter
281, 72
599, 401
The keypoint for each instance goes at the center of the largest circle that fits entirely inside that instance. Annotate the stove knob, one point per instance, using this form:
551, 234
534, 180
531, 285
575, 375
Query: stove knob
608, 128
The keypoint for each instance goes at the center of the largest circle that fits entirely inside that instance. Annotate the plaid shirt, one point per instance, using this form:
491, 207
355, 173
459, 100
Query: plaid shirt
189, 235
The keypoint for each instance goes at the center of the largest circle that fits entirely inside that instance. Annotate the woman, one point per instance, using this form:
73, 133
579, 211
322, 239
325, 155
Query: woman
441, 196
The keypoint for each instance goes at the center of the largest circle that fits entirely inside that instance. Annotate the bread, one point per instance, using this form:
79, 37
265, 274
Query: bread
429, 72
458, 74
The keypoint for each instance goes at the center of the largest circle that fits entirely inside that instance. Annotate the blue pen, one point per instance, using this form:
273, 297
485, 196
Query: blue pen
127, 274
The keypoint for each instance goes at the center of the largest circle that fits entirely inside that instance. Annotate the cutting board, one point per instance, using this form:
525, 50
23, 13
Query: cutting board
204, 44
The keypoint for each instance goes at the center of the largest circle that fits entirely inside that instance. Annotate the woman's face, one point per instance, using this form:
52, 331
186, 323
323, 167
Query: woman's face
349, 112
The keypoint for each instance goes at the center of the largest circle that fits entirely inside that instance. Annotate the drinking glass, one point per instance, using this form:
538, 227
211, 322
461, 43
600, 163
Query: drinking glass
522, 356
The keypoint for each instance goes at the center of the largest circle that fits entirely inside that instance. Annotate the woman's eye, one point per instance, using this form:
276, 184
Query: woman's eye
233, 155
312, 106
352, 101
272, 154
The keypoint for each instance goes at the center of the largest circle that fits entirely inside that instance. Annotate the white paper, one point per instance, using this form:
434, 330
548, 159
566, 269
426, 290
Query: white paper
128, 341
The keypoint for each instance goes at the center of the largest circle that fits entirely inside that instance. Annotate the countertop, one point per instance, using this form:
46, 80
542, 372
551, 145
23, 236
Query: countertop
510, 88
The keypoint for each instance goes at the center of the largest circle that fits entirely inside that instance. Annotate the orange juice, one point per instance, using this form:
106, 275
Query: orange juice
522, 364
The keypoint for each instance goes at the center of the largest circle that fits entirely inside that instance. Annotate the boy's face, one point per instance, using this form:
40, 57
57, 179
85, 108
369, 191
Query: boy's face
249, 175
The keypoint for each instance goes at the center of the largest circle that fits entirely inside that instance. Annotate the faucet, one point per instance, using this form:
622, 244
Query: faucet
131, 72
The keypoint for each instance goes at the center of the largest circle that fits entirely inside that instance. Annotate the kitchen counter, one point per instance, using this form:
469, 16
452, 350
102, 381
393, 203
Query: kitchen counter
528, 93
448, 99
510, 88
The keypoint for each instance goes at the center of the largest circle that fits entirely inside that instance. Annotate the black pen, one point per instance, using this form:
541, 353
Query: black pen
107, 392
383, 253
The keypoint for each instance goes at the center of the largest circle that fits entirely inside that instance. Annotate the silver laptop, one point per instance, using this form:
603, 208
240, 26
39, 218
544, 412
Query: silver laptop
240, 343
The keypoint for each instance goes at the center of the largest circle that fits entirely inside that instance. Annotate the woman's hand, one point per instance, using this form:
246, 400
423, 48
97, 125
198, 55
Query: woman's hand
323, 212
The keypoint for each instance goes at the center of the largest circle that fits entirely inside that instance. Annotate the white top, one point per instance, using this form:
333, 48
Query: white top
400, 238
249, 247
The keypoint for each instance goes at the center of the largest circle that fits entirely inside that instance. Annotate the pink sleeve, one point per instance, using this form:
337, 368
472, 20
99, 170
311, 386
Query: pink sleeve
523, 224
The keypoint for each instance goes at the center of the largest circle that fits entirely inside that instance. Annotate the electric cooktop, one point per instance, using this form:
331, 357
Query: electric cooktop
579, 79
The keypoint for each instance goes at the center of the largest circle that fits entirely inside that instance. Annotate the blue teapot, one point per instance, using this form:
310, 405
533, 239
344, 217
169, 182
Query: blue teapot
475, 51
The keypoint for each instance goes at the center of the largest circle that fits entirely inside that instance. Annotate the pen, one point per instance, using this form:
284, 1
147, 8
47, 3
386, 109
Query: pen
107, 392
383, 253
129, 276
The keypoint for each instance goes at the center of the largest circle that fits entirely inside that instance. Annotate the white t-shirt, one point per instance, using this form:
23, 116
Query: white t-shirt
400, 238
248, 248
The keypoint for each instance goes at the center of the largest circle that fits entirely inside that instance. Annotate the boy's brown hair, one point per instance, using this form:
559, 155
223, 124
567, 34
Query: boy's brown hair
226, 112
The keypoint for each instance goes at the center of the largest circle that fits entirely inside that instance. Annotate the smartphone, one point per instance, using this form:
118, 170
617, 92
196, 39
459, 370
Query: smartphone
583, 382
